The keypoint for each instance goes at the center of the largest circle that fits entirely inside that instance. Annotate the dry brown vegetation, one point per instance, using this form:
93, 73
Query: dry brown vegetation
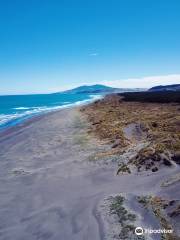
160, 121
160, 207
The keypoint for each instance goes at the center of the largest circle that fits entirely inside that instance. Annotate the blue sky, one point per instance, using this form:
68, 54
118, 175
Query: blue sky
46, 46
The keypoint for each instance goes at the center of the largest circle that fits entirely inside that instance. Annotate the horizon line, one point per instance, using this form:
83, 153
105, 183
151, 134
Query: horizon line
127, 83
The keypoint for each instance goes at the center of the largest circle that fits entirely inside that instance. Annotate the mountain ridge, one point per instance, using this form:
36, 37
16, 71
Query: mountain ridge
172, 87
98, 89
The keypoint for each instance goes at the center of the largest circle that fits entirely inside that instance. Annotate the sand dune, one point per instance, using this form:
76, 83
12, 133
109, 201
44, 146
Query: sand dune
49, 189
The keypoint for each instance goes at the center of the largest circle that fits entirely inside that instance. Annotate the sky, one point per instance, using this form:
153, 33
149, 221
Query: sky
48, 46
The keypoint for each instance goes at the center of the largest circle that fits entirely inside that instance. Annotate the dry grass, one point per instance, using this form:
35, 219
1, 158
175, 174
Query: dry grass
158, 205
161, 122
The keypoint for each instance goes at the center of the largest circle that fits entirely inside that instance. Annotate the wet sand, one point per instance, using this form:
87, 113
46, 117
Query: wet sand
48, 187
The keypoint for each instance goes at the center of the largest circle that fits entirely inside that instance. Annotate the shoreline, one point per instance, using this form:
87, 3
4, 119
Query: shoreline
20, 120
59, 181
26, 122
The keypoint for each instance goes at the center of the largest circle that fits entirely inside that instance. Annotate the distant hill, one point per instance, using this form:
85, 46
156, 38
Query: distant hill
91, 89
99, 89
173, 87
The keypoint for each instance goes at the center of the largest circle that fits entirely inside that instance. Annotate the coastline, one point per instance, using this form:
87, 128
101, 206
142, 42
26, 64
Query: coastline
57, 179
29, 121
23, 114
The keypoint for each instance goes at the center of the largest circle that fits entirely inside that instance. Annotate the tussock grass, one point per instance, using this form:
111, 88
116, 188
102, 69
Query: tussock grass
160, 121
158, 205
125, 218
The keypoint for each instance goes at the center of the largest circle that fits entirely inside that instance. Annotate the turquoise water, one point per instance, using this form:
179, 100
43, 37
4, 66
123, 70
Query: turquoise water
15, 109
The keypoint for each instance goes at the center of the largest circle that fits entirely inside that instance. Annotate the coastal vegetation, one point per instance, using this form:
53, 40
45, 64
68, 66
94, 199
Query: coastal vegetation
164, 210
152, 96
125, 124
122, 217
142, 132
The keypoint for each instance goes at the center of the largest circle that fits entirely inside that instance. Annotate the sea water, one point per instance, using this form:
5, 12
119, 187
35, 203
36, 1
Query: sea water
17, 108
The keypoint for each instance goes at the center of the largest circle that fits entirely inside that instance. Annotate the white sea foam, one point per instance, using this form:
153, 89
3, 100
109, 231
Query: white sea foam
21, 108
96, 97
5, 119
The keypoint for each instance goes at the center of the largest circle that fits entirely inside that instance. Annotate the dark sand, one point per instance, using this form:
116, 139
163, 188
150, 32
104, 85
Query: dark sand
48, 187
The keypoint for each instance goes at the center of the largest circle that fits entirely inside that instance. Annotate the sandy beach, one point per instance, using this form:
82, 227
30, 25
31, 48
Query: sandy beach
50, 188
90, 120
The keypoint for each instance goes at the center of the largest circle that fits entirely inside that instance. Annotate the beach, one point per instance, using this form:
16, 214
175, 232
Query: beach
52, 188
90, 120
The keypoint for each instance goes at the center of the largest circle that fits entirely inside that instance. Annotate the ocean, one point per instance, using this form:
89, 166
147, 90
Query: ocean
16, 108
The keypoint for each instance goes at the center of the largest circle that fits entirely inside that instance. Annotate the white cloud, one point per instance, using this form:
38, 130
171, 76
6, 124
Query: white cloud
93, 54
144, 82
